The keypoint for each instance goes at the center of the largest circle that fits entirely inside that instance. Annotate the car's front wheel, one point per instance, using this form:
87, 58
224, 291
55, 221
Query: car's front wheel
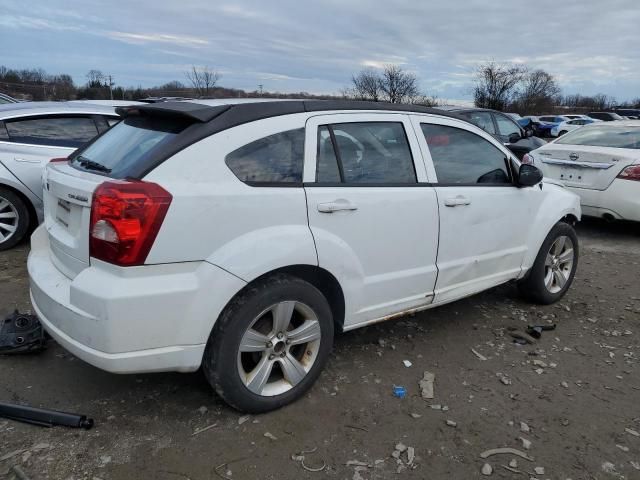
270, 344
554, 268
14, 219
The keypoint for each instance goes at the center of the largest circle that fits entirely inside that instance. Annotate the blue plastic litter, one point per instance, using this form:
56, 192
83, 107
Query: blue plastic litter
399, 392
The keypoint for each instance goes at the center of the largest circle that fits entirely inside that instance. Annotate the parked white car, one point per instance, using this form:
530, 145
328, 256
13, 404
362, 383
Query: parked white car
239, 237
601, 163
570, 125
31, 134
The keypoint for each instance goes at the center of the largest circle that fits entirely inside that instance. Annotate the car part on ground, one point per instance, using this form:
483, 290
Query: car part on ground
43, 417
249, 223
21, 333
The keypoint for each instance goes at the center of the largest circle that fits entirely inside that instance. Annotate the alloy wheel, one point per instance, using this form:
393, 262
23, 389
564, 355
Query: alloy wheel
559, 264
279, 348
8, 219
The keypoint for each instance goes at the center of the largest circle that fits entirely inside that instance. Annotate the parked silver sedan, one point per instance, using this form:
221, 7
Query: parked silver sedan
31, 134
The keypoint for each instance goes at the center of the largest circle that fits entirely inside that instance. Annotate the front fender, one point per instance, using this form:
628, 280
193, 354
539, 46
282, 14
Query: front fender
558, 203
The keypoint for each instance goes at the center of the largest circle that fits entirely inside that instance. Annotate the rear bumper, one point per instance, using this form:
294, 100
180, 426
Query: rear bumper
621, 200
130, 320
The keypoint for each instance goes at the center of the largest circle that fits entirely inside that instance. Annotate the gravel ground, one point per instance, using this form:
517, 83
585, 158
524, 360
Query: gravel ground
573, 396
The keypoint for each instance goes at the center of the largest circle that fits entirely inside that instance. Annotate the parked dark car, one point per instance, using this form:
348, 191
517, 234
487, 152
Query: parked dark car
605, 116
632, 113
516, 138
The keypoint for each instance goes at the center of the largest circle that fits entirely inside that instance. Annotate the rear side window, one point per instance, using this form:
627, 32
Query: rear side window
52, 131
277, 158
366, 152
462, 157
128, 142
603, 136
506, 126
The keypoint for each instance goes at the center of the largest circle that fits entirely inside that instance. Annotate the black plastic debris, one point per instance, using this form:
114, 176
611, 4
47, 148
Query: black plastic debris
536, 330
44, 417
21, 333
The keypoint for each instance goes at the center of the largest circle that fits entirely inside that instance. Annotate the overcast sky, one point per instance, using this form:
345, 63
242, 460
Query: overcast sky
590, 46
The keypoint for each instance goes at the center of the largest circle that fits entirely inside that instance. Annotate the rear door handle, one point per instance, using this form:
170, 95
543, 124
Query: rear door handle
458, 201
336, 206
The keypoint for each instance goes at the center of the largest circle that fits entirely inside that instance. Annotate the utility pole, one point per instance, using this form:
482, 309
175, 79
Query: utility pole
110, 87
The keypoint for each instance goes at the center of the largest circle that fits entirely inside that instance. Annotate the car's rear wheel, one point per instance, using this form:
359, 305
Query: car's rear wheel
554, 268
270, 344
14, 219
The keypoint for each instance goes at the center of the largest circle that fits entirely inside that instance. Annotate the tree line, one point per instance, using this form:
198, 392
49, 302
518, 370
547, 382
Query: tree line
507, 87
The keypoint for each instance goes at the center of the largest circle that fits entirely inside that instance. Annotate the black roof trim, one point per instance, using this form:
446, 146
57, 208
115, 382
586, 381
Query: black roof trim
208, 120
192, 111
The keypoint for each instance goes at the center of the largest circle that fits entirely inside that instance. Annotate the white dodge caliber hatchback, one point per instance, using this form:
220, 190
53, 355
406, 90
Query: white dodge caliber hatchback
239, 237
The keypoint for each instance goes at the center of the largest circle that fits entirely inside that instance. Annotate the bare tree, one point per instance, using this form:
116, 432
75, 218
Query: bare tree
203, 79
398, 85
95, 79
496, 84
539, 93
427, 101
367, 85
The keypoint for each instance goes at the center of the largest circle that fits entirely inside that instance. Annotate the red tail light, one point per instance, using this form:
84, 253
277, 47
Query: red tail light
631, 173
59, 160
125, 219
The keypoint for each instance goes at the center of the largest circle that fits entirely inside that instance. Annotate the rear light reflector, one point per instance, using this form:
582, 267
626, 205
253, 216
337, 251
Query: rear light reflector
631, 173
527, 159
125, 219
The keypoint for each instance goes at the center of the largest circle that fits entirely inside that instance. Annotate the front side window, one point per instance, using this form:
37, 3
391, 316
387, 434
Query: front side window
598, 135
52, 131
278, 158
462, 157
366, 152
506, 126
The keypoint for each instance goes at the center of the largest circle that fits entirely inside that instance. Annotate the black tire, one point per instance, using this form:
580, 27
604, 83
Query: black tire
220, 362
562, 133
22, 223
533, 285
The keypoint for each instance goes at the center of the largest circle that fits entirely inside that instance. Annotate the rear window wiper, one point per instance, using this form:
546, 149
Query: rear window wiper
92, 165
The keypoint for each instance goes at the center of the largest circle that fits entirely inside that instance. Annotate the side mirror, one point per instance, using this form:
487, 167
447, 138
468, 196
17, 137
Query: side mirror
529, 175
514, 137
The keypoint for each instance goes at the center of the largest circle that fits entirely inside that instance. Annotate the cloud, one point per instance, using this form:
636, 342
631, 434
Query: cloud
317, 46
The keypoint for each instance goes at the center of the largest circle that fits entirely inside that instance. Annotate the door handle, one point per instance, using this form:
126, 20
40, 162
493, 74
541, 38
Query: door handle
336, 206
458, 201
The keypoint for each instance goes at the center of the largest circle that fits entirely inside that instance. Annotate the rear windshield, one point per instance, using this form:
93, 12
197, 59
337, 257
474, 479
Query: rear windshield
603, 136
126, 144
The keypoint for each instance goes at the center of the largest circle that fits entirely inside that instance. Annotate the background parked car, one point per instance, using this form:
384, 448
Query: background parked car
540, 129
630, 113
516, 138
31, 134
555, 119
601, 163
606, 116
570, 125
7, 99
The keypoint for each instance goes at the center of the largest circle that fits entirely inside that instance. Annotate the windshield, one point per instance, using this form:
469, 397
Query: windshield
127, 143
603, 136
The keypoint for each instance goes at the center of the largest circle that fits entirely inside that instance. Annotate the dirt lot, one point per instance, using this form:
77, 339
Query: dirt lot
576, 400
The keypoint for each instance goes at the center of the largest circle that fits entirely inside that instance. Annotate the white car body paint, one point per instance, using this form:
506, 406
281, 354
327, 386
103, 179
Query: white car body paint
401, 250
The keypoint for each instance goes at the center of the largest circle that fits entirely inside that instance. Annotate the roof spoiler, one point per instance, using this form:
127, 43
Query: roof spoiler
189, 111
